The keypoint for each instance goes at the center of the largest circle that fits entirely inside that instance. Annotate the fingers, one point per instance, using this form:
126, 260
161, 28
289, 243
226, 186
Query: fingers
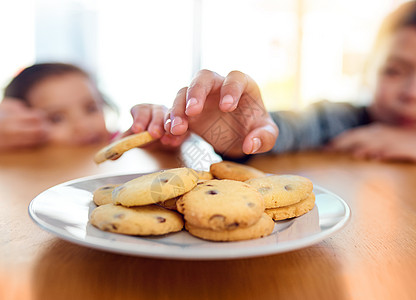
147, 117
205, 82
345, 142
13, 105
178, 124
261, 139
156, 124
229, 89
152, 118
173, 140
25, 130
141, 114
234, 85
357, 143
394, 155
20, 126
27, 137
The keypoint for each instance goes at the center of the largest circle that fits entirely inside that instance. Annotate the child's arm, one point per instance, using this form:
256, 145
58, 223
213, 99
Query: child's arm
228, 112
378, 141
21, 127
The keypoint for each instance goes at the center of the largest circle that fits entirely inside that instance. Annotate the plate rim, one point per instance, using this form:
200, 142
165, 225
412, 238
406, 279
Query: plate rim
239, 253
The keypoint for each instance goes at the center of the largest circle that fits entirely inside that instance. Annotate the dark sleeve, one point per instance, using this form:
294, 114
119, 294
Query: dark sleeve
316, 125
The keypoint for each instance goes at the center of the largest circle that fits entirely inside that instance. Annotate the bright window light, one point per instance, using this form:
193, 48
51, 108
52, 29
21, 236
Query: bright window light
145, 51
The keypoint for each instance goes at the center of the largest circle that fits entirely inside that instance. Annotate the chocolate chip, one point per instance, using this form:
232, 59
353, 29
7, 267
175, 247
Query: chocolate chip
112, 155
161, 219
217, 218
164, 180
212, 192
119, 216
110, 227
232, 226
289, 187
264, 189
209, 185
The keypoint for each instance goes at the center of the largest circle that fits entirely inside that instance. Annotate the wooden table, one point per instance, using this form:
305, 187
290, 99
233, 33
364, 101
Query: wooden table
373, 257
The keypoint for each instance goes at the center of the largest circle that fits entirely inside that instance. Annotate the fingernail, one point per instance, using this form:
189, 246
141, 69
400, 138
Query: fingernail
167, 123
227, 101
191, 102
270, 129
176, 121
256, 145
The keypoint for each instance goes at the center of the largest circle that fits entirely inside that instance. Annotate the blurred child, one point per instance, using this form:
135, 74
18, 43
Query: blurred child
56, 103
51, 103
229, 113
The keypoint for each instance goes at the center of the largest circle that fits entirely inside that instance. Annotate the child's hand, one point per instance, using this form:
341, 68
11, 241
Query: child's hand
377, 141
150, 117
20, 126
227, 112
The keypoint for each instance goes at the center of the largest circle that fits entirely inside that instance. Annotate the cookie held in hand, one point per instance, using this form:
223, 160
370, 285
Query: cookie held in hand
117, 148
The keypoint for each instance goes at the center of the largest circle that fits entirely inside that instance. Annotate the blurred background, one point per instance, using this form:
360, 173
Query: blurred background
298, 51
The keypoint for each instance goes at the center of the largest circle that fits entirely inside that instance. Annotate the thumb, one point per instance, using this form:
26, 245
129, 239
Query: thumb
261, 139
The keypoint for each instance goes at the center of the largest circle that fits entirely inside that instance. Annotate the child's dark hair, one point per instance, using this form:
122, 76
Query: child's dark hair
20, 85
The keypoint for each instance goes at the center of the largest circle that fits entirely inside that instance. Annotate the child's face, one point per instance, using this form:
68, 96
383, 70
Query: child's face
395, 98
73, 107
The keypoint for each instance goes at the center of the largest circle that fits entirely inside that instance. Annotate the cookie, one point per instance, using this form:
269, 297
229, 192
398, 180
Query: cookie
155, 187
291, 211
221, 204
203, 175
282, 190
116, 149
102, 195
262, 228
234, 171
142, 220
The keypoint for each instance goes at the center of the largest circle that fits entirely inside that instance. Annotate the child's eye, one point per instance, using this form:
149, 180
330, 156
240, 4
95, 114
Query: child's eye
392, 72
91, 108
56, 118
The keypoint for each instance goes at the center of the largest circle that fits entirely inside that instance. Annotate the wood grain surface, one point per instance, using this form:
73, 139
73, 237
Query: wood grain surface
373, 257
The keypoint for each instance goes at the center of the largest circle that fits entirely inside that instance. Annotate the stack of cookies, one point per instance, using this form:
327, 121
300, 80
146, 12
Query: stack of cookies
231, 202
285, 196
225, 210
131, 208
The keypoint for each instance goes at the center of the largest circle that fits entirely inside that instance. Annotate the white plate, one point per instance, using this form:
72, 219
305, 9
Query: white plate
64, 211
